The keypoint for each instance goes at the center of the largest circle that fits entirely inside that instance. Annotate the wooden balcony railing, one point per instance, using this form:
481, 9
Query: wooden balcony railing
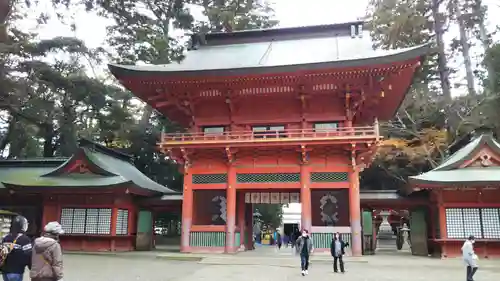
367, 133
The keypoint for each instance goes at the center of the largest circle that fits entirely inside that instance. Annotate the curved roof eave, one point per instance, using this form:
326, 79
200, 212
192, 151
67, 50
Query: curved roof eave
403, 55
57, 182
465, 153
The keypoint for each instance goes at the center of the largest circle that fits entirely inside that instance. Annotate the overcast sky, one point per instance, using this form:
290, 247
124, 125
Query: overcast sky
92, 29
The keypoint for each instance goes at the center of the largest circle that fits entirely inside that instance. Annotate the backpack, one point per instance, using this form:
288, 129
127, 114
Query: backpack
5, 249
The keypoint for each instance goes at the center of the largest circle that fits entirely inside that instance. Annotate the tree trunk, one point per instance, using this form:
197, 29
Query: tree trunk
16, 147
68, 141
7, 137
5, 10
443, 70
48, 142
444, 74
478, 10
464, 43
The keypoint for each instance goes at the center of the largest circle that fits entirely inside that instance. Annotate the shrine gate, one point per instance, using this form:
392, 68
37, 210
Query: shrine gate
289, 113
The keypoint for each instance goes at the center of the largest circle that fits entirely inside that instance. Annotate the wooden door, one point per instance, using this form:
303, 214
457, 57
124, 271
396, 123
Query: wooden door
144, 238
418, 232
367, 224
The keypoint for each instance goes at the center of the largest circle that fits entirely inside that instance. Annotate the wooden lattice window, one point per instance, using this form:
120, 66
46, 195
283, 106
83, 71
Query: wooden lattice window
86, 221
122, 222
274, 131
326, 126
329, 177
481, 223
285, 177
209, 178
491, 223
213, 130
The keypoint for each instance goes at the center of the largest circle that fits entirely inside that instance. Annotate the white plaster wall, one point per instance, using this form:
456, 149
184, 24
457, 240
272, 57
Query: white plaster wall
292, 213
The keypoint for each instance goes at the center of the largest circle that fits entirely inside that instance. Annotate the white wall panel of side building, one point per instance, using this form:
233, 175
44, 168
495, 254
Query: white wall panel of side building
292, 213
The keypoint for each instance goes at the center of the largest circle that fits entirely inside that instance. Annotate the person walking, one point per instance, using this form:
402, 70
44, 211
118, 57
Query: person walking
47, 263
337, 249
470, 258
16, 251
279, 240
304, 248
286, 240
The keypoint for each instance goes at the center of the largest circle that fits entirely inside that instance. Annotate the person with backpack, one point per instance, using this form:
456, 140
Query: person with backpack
15, 250
47, 263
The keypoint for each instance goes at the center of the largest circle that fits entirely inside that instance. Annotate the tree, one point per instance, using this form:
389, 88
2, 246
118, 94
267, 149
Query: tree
479, 19
400, 24
5, 10
460, 13
271, 214
415, 139
48, 104
406, 23
234, 15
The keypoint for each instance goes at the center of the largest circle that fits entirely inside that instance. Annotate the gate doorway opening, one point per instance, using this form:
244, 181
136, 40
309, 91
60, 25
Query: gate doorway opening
271, 210
395, 224
291, 229
392, 228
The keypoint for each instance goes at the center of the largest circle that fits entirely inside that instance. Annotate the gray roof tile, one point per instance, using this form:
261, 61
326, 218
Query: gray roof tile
342, 51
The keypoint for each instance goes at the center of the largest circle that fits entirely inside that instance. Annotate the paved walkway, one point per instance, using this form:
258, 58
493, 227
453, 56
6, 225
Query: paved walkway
277, 268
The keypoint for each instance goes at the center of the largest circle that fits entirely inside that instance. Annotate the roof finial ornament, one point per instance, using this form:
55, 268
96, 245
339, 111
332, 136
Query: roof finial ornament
486, 160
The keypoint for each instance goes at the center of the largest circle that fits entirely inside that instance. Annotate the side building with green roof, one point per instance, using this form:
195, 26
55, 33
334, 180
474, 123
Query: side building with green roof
465, 198
97, 193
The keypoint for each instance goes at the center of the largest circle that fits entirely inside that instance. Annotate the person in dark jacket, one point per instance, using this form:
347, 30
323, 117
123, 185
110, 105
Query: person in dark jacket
304, 247
337, 249
279, 239
20, 247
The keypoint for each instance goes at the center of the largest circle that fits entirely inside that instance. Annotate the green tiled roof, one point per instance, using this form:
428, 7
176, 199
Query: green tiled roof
450, 172
249, 56
39, 173
466, 175
278, 50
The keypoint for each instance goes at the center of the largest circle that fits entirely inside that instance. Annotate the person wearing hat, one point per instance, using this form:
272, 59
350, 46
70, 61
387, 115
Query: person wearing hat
16, 251
470, 257
46, 261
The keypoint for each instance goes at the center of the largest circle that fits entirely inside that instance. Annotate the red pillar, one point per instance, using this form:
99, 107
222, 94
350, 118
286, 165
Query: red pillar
305, 198
442, 223
187, 211
231, 210
241, 216
114, 216
355, 212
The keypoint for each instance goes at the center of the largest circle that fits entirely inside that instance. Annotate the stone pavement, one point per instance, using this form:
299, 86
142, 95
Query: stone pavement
278, 268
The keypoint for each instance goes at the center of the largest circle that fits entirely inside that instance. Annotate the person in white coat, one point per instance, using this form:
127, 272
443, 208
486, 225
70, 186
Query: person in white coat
470, 258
